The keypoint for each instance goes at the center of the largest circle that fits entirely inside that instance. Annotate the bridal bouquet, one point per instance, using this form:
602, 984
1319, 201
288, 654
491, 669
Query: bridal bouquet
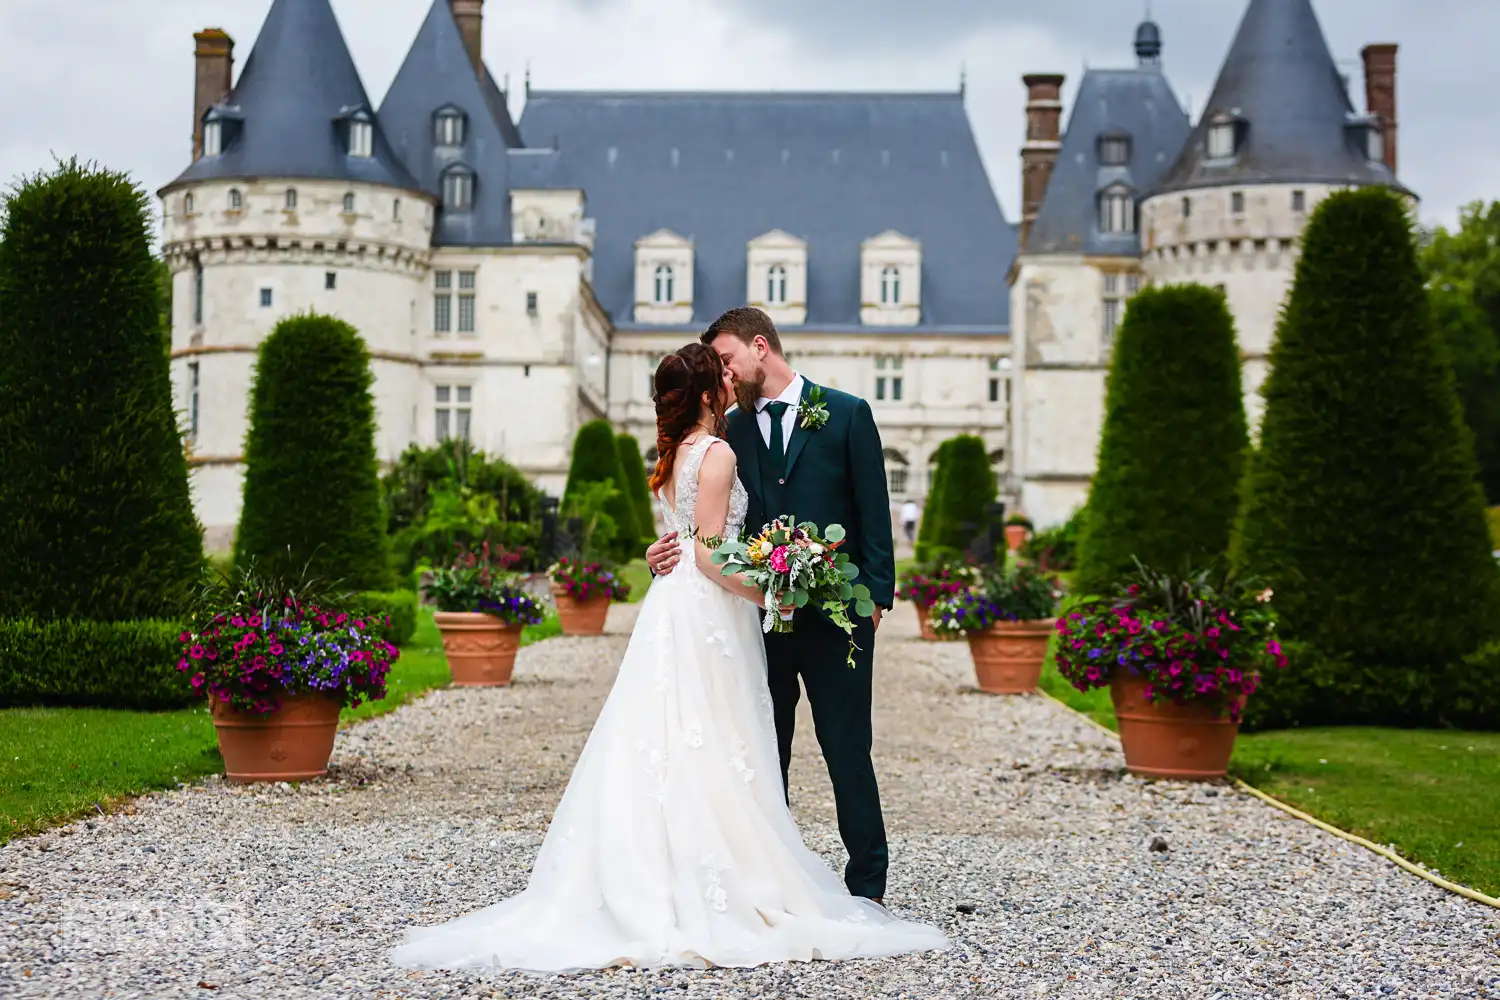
796, 564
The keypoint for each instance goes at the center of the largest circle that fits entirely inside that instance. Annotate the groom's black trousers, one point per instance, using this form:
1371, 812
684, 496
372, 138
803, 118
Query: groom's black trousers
840, 698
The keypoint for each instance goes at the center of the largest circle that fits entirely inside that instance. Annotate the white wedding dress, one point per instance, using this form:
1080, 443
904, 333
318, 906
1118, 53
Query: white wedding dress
673, 845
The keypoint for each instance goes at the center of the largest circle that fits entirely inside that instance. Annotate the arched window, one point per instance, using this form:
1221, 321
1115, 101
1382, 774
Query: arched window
361, 138
1117, 210
896, 472
776, 285
890, 286
448, 127
664, 292
349, 203
188, 203
291, 199
236, 200
458, 190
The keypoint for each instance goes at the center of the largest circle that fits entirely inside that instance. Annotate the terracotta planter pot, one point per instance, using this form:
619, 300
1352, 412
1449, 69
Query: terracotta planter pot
292, 743
1166, 740
580, 617
1015, 536
924, 622
1008, 658
481, 649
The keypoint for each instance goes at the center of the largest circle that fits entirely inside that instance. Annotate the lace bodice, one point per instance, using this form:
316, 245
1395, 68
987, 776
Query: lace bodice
683, 517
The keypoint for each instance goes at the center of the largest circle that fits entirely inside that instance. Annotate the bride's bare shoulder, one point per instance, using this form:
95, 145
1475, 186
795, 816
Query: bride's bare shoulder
718, 461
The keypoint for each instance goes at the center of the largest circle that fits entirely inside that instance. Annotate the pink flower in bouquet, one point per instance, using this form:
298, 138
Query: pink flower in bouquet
778, 559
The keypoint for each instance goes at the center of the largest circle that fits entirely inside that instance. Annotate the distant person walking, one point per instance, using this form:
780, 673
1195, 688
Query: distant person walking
909, 520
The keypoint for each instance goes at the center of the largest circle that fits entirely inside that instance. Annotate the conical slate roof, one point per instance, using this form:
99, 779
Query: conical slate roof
1281, 81
296, 85
438, 74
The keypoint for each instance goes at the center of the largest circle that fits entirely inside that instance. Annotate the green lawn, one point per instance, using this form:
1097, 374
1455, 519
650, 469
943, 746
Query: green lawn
638, 575
56, 764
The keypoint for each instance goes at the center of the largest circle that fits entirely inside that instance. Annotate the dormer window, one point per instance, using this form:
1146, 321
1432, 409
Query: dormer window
213, 138
890, 286
890, 267
663, 277
1375, 145
1117, 210
458, 190
1225, 132
663, 288
221, 126
361, 138
449, 126
776, 285
1367, 136
1114, 150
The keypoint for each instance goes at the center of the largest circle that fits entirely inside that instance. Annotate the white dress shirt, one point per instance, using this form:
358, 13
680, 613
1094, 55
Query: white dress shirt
791, 394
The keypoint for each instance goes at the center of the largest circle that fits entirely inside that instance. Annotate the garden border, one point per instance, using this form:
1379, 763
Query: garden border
1290, 810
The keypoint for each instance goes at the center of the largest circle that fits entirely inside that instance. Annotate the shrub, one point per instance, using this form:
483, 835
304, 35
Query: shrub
1056, 549
596, 459
96, 521
461, 516
78, 663
1362, 506
1493, 516
312, 490
1172, 448
633, 465
927, 531
400, 606
968, 490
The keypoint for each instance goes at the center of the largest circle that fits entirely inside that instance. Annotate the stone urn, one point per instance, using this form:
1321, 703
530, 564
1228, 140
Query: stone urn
481, 649
1008, 656
1163, 739
580, 617
292, 743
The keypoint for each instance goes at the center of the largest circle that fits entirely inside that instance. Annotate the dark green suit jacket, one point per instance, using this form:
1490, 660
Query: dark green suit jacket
834, 475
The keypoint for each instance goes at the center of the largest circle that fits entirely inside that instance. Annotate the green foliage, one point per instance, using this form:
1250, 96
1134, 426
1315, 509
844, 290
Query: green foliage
633, 465
81, 663
460, 518
1362, 508
1462, 270
1493, 516
927, 531
1056, 549
968, 488
596, 459
95, 517
588, 507
312, 488
401, 605
1174, 438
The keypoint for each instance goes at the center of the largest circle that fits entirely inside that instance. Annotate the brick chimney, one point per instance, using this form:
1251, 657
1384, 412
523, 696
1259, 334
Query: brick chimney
1380, 93
1043, 139
213, 78
470, 17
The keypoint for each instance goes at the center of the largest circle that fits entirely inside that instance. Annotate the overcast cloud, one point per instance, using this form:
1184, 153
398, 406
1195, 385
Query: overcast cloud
111, 80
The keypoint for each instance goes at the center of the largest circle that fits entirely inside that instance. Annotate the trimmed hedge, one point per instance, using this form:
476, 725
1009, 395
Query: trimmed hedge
96, 520
401, 605
90, 664
969, 487
927, 531
1362, 507
312, 486
1493, 516
633, 464
1172, 449
596, 459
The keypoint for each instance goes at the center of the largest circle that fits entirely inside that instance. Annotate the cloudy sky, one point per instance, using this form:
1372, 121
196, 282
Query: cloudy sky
112, 80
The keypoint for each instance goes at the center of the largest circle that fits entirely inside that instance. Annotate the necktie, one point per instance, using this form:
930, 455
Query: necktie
778, 440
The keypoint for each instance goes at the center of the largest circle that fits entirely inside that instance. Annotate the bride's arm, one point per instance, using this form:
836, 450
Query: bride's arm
715, 480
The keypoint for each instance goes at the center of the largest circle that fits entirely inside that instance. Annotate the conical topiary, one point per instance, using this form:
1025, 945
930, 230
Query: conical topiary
633, 465
96, 521
1363, 510
1173, 444
596, 459
969, 487
927, 531
312, 484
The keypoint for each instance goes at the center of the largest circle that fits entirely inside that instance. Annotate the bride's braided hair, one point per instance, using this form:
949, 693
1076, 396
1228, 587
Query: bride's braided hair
681, 381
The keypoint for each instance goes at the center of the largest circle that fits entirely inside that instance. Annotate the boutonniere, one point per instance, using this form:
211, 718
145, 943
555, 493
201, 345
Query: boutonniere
815, 410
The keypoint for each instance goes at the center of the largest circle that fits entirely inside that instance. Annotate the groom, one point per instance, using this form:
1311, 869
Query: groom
820, 461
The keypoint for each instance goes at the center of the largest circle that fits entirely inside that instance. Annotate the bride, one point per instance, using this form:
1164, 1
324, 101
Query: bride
673, 845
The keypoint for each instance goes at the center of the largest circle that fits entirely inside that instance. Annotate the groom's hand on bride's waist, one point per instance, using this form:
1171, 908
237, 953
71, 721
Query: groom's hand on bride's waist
663, 554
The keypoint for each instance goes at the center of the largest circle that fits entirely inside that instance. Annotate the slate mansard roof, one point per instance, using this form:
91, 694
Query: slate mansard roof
1135, 103
832, 169
298, 82
1280, 78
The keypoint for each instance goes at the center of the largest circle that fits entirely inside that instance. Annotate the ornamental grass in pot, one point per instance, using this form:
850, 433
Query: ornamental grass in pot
1180, 655
1008, 621
278, 663
583, 592
481, 612
926, 585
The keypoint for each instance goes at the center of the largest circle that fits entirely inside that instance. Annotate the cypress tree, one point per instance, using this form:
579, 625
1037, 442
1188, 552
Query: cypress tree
96, 521
1363, 510
633, 465
312, 483
596, 459
969, 488
927, 531
1174, 439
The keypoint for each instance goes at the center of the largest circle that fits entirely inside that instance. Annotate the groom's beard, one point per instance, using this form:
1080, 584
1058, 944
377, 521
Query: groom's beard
747, 393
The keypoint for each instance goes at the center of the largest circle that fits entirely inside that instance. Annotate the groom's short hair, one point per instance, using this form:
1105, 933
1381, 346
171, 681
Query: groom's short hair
745, 323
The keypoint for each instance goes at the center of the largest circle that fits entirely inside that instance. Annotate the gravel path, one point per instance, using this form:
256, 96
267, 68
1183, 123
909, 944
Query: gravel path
1013, 825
